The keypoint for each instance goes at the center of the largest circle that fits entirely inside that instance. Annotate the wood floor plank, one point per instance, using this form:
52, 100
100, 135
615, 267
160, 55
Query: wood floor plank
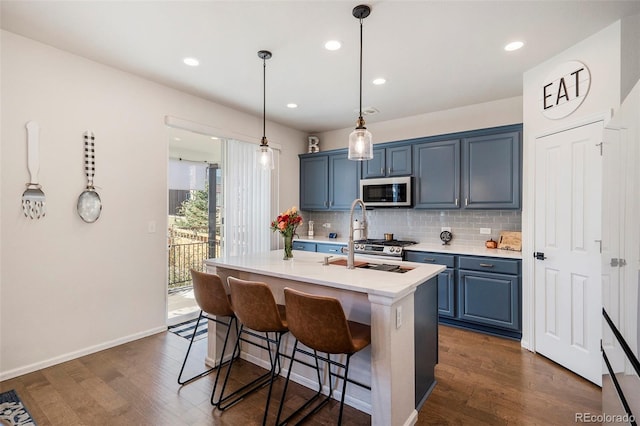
482, 380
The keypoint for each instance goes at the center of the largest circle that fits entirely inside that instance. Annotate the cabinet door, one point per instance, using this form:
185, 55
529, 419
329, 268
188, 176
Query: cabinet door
314, 191
491, 171
446, 293
399, 161
490, 299
376, 167
344, 181
329, 248
437, 174
304, 246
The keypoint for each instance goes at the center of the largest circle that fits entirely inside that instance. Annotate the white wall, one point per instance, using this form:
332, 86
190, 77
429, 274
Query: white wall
601, 54
67, 287
471, 117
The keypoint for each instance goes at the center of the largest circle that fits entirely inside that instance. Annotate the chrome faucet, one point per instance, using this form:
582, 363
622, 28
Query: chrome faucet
350, 254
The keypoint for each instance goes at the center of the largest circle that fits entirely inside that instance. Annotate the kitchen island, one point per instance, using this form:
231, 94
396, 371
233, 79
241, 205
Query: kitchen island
400, 307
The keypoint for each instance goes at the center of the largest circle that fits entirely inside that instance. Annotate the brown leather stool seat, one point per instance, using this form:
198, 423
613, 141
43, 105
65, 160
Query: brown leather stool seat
319, 323
213, 300
257, 312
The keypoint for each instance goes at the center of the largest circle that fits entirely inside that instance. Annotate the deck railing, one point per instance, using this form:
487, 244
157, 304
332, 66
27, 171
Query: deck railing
184, 257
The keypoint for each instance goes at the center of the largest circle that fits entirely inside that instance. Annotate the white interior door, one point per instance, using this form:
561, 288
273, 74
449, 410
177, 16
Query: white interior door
567, 230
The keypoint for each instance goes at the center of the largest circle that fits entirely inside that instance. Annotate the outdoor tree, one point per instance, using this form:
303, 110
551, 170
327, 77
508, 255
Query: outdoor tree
195, 211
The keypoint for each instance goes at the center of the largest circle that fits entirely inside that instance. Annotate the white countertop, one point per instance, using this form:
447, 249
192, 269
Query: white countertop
470, 250
432, 247
308, 267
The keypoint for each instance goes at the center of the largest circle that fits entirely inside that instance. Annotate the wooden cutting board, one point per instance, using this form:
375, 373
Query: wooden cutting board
510, 240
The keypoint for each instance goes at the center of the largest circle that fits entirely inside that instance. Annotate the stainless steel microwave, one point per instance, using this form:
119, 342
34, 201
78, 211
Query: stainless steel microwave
386, 192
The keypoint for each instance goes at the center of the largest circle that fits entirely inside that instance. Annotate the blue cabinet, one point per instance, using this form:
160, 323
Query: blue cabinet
446, 279
329, 248
477, 292
388, 162
470, 172
318, 247
491, 171
304, 246
489, 299
314, 188
447, 293
437, 174
328, 181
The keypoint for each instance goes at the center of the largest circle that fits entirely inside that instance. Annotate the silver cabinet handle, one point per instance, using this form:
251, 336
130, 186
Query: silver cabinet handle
382, 171
466, 201
456, 201
389, 170
429, 259
486, 265
334, 251
326, 204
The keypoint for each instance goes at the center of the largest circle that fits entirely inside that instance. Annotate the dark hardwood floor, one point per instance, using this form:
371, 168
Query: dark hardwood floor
482, 380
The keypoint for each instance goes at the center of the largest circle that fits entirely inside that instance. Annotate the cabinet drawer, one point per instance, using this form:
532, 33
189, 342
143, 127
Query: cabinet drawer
447, 260
302, 245
329, 248
490, 264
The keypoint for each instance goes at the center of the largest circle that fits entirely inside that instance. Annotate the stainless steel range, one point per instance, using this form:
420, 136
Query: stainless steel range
390, 249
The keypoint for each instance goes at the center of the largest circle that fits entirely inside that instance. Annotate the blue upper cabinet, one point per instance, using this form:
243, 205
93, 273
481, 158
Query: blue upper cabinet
437, 175
491, 171
344, 181
328, 181
314, 176
387, 162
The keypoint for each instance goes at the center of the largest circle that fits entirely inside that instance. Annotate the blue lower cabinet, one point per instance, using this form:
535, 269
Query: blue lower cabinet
329, 248
489, 299
304, 246
477, 293
446, 293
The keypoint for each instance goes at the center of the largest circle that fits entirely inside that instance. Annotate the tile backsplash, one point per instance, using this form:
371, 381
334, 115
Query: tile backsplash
423, 226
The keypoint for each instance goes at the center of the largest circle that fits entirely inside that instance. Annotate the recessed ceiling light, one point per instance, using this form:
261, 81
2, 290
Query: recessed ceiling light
177, 139
332, 45
292, 105
379, 81
192, 62
214, 138
514, 45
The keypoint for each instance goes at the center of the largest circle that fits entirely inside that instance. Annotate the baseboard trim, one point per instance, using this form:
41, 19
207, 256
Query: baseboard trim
6, 375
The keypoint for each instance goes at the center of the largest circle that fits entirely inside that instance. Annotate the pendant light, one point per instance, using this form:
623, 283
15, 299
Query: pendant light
360, 140
264, 154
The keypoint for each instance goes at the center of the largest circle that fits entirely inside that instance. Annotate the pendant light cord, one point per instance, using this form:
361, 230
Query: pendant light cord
264, 98
361, 68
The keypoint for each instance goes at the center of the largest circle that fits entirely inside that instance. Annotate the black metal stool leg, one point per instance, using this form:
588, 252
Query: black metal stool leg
310, 400
225, 402
344, 388
184, 363
233, 320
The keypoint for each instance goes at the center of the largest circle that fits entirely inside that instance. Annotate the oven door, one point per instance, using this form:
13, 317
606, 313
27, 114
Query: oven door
376, 257
386, 192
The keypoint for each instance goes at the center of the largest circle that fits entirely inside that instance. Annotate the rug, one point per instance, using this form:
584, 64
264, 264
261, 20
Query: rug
185, 329
12, 411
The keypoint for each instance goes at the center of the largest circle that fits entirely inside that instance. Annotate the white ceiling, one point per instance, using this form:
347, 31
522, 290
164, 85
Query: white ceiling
435, 55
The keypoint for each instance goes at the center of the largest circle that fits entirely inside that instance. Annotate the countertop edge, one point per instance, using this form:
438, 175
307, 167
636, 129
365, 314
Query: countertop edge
307, 260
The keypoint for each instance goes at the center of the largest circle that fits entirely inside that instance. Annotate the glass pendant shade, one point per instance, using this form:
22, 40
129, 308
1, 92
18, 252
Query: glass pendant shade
264, 158
360, 145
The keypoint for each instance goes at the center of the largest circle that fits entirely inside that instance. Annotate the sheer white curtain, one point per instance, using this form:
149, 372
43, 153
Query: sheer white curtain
247, 201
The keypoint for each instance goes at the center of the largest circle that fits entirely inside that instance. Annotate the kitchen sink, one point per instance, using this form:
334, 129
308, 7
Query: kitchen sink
372, 266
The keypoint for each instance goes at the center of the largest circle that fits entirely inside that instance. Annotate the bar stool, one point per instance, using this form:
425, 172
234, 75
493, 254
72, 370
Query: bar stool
319, 323
211, 296
257, 312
